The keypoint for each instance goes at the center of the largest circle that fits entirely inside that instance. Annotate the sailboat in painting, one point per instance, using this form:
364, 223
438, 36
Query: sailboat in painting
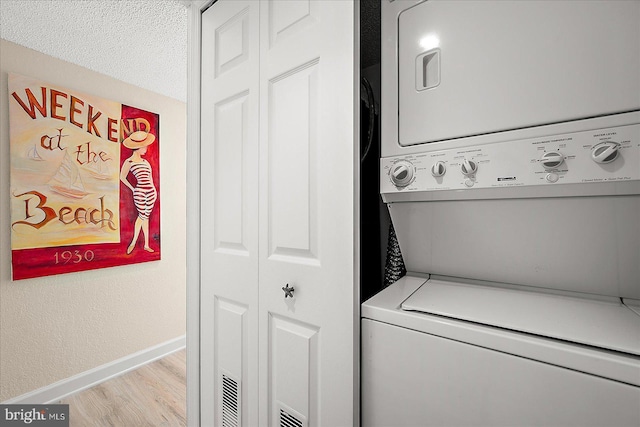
66, 180
33, 154
99, 170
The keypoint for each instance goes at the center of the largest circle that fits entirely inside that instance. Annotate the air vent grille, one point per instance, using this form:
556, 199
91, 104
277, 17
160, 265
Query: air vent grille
289, 417
288, 420
230, 402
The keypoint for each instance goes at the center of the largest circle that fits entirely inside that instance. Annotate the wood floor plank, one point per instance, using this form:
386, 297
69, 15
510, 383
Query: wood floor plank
153, 395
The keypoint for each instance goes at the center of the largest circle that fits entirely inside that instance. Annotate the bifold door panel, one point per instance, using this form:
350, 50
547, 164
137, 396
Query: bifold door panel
229, 226
277, 231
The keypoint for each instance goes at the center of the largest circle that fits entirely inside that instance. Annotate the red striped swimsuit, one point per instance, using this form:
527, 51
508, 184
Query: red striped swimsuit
144, 195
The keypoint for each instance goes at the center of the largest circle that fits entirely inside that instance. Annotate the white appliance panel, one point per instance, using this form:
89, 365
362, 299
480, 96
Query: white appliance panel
608, 155
474, 68
599, 322
386, 307
417, 379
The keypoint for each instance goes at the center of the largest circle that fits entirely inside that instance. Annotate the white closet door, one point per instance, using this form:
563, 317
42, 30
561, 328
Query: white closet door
307, 214
229, 204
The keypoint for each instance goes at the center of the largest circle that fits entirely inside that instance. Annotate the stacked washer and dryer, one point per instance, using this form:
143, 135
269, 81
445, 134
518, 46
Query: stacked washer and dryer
511, 169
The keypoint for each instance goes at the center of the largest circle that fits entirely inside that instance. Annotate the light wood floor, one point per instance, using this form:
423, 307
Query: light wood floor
153, 395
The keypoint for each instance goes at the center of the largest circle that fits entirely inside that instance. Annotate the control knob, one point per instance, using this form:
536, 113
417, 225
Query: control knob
469, 167
605, 152
552, 159
402, 173
438, 169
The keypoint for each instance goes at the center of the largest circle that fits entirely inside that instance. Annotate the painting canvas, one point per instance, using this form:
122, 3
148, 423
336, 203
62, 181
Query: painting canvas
85, 187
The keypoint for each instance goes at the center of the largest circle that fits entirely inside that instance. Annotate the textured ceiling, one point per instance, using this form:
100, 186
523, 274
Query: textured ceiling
141, 42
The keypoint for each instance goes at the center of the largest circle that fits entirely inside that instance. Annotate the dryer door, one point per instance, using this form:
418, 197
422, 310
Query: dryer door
470, 68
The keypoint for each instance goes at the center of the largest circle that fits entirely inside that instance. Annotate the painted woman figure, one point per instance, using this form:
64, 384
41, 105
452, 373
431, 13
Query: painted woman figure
144, 193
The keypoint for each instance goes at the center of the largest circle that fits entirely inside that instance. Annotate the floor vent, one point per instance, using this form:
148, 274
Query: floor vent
230, 402
290, 418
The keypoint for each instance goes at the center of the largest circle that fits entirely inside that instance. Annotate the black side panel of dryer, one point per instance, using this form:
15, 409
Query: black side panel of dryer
370, 225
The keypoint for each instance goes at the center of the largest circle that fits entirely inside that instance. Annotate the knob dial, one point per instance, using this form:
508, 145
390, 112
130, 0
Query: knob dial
402, 173
552, 160
438, 169
605, 152
469, 167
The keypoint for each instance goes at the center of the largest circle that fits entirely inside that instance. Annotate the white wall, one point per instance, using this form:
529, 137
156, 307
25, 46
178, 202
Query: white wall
56, 327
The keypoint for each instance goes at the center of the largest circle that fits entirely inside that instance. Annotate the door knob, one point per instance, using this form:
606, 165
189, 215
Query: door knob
288, 291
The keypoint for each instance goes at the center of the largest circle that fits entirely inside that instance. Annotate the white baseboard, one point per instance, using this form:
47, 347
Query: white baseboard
61, 389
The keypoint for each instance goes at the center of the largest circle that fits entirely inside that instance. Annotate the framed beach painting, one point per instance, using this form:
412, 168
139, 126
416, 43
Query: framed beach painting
85, 181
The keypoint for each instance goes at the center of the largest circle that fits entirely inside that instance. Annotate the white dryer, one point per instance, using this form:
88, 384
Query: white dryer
511, 169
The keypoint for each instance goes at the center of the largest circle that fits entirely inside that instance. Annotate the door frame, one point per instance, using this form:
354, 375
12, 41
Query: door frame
195, 9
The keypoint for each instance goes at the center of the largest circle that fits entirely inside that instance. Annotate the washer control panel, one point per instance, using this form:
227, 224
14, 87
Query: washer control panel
602, 155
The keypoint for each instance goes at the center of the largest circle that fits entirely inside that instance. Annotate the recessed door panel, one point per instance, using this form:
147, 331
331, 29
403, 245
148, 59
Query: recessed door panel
230, 335
286, 18
293, 370
230, 191
230, 344
232, 42
293, 98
